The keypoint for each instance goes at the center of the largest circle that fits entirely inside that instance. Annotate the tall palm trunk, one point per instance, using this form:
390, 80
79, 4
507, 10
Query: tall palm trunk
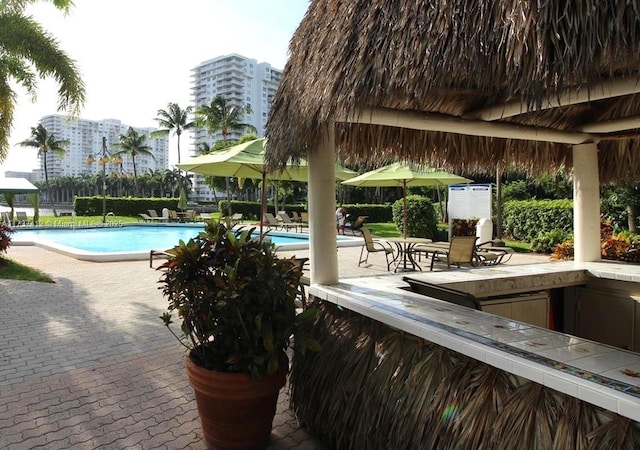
226, 179
46, 183
135, 176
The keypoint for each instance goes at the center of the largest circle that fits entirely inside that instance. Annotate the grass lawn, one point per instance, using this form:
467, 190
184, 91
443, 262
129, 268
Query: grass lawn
13, 270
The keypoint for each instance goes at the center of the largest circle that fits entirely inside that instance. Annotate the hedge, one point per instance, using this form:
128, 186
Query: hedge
524, 220
251, 210
121, 206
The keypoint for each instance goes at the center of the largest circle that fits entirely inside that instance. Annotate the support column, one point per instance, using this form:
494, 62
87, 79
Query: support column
586, 203
323, 254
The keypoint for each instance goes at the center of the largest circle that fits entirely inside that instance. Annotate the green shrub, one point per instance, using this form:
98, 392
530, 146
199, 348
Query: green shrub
524, 220
545, 242
421, 216
5, 240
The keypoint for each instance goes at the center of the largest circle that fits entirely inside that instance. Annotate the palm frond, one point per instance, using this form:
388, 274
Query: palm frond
619, 433
528, 419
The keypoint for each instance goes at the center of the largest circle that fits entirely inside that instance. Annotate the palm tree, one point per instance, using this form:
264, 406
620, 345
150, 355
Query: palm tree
220, 117
46, 142
29, 52
174, 118
133, 143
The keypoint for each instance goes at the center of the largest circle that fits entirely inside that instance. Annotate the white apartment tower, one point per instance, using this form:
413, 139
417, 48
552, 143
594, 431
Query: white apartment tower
85, 139
241, 81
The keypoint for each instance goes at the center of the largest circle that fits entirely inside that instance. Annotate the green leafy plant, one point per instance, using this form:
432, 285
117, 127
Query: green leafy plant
421, 216
5, 241
236, 300
545, 242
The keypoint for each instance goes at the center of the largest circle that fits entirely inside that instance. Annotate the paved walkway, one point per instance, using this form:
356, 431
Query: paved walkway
86, 362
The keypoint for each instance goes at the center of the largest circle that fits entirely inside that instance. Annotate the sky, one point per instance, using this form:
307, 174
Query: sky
136, 56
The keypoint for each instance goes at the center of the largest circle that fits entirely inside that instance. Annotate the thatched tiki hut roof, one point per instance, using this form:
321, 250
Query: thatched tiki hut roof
473, 82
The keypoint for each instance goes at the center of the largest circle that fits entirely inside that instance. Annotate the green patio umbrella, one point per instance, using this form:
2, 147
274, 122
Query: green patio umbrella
246, 160
405, 175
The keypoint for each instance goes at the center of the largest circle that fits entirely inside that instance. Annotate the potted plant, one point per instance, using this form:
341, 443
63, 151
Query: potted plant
236, 301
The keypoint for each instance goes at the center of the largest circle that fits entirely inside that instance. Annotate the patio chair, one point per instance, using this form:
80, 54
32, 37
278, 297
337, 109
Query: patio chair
304, 281
462, 250
356, 226
296, 217
374, 246
173, 216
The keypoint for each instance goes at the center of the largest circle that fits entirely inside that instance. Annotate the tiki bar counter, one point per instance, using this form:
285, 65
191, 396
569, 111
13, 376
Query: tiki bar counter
401, 369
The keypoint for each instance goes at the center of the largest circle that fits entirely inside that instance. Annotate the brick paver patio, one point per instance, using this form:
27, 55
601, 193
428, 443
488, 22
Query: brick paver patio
86, 362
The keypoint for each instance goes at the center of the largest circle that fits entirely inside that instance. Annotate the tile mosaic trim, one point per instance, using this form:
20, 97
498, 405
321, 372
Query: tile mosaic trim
372, 298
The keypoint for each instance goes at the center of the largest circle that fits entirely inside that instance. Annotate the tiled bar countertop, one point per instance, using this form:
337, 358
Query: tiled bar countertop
596, 373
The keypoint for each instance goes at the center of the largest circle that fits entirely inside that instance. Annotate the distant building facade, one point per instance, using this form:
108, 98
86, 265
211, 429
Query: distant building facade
85, 140
241, 81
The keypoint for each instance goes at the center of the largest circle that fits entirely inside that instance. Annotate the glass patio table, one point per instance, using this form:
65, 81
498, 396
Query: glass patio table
404, 259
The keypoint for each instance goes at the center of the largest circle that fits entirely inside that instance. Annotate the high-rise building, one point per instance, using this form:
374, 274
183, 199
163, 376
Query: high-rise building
85, 140
241, 81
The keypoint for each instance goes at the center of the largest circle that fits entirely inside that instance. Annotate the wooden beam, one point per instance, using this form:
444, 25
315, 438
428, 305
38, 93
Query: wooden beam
600, 91
610, 126
450, 124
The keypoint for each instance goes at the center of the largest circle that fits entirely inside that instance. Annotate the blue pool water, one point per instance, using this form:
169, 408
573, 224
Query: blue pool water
133, 242
132, 238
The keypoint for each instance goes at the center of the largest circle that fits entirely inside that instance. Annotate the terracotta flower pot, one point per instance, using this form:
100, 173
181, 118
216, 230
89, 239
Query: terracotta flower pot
236, 411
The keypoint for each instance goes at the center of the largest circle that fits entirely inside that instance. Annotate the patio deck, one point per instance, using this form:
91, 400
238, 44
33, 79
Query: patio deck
87, 363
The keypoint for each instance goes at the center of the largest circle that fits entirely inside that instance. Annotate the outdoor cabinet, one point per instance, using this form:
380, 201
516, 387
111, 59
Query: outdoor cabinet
607, 313
531, 308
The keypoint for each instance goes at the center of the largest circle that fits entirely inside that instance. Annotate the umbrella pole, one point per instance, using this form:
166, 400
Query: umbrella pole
263, 202
404, 208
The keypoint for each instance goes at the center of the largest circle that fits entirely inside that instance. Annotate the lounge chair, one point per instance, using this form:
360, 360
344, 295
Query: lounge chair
374, 246
6, 219
146, 217
270, 220
153, 214
22, 219
287, 221
491, 253
356, 226
462, 250
296, 217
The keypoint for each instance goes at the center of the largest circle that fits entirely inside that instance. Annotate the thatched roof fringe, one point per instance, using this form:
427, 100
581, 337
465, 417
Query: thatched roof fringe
450, 57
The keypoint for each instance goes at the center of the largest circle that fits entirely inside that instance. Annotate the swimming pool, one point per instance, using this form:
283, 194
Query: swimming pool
134, 242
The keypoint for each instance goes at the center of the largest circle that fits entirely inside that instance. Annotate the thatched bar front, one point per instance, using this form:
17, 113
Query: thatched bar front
403, 371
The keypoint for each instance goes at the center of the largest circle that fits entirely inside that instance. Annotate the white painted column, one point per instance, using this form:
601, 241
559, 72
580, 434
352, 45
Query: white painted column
586, 203
323, 254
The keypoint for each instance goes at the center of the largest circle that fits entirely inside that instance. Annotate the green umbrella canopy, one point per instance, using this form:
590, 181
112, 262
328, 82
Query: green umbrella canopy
405, 175
246, 160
